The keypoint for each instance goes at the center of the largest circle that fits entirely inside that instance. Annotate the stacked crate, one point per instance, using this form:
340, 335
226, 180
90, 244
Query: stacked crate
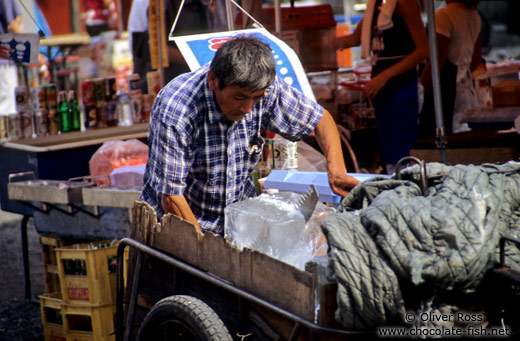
51, 301
80, 281
48, 245
87, 275
52, 317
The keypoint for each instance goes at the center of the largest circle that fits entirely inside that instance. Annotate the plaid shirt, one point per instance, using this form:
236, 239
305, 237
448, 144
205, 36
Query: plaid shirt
196, 151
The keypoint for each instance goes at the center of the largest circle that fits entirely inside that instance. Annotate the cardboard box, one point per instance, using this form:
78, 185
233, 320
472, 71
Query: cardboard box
506, 93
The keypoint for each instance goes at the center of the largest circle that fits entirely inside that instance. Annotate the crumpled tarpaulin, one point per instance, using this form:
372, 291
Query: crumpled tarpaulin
386, 234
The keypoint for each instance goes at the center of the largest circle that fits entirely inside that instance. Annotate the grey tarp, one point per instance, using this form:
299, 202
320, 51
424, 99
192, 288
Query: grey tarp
387, 233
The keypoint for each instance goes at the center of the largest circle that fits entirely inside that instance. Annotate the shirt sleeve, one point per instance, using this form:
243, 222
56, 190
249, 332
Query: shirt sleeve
9, 11
443, 23
170, 155
291, 114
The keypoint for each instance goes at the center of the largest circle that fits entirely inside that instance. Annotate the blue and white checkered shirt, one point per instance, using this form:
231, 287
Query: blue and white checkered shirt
196, 151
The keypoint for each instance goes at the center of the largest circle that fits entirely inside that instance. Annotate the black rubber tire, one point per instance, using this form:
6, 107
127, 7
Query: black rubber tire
182, 317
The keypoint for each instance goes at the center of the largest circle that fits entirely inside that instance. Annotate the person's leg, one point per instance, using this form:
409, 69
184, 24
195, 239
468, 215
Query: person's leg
397, 122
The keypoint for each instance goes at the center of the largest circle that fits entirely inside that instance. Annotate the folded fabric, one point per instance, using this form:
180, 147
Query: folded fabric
384, 19
384, 22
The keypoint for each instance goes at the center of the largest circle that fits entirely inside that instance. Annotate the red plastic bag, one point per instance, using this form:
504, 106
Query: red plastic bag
114, 154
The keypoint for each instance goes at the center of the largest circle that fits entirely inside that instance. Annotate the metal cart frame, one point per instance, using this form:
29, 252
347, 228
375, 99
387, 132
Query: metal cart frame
123, 331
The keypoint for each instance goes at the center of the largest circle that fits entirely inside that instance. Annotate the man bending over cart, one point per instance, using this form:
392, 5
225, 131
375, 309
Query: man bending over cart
205, 133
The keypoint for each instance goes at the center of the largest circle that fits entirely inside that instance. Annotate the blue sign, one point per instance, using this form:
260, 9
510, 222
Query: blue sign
200, 49
21, 48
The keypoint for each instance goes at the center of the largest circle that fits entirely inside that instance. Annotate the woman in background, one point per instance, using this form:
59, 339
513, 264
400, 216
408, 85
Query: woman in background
10, 22
393, 35
459, 49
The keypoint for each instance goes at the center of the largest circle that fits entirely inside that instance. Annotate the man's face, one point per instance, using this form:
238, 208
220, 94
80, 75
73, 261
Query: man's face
234, 101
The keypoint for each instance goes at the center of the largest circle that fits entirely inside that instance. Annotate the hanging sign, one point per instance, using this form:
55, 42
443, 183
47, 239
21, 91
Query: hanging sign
21, 48
199, 50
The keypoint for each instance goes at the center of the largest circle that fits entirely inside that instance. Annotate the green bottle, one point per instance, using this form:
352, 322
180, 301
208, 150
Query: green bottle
75, 114
64, 113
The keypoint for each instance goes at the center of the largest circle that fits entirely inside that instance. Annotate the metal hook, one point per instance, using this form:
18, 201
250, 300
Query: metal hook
423, 176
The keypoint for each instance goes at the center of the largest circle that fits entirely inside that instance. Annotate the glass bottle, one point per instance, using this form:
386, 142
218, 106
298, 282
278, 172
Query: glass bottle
65, 120
74, 111
126, 108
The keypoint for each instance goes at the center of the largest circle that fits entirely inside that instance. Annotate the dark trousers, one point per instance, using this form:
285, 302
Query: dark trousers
427, 122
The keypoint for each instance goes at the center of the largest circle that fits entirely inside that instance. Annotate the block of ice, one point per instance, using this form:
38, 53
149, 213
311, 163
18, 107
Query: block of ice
271, 223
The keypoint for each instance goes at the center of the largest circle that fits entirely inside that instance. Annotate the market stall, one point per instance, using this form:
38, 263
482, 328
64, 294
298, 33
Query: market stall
48, 180
49, 158
58, 124
59, 49
494, 123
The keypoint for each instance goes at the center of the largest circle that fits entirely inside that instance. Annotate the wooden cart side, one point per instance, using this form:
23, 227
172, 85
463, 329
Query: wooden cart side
252, 271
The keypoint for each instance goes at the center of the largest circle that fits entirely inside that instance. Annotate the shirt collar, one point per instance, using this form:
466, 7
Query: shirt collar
214, 112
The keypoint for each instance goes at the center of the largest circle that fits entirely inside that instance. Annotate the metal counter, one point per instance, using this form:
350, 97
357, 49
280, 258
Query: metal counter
56, 157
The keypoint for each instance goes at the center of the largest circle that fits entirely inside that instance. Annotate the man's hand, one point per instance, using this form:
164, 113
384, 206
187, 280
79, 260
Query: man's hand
342, 184
373, 86
177, 205
4, 52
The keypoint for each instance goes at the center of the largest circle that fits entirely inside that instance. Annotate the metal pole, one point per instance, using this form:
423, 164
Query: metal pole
434, 60
229, 16
159, 41
120, 27
278, 18
133, 296
74, 15
25, 255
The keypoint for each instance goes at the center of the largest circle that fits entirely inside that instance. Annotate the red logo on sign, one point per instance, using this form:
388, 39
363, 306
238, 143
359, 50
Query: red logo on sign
80, 294
56, 337
216, 43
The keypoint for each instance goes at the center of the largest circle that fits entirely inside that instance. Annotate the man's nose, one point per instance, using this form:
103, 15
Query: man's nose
247, 106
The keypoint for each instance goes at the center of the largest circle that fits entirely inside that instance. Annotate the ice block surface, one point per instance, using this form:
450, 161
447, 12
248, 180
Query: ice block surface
272, 224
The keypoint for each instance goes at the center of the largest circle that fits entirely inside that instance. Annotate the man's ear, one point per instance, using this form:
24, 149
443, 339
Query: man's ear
212, 80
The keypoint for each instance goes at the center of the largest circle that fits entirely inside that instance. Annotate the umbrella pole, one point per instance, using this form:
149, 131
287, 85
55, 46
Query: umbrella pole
230, 16
278, 18
440, 139
160, 46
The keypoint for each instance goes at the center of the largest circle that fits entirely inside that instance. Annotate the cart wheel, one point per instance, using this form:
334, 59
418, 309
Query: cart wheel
182, 318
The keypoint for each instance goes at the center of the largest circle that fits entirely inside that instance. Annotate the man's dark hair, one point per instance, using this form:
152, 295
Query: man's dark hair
246, 62
470, 3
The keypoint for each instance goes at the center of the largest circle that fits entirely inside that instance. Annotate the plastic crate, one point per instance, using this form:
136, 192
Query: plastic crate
48, 245
88, 272
299, 182
87, 322
52, 317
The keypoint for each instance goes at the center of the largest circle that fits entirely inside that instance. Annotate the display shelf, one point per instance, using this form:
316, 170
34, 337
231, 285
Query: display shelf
79, 138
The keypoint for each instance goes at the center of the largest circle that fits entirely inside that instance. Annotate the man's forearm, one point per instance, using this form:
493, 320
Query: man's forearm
177, 204
328, 139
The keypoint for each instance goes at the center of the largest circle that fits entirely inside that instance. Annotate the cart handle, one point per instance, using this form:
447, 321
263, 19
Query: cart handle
91, 177
503, 241
16, 175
